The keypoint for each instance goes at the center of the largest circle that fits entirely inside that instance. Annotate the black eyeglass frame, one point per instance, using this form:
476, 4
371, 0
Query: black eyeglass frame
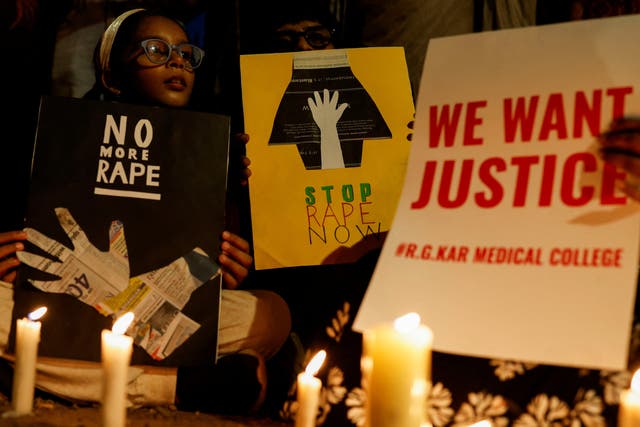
295, 36
174, 48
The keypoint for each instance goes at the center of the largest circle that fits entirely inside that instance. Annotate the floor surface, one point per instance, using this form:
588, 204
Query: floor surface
53, 414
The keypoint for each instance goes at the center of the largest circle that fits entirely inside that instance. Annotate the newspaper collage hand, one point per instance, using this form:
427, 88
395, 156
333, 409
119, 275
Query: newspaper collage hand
101, 280
326, 112
84, 272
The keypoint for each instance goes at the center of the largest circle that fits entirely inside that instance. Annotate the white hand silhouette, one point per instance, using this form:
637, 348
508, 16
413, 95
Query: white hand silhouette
326, 112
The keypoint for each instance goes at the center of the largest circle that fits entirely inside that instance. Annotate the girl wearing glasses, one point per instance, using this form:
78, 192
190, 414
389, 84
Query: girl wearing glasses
146, 58
148, 61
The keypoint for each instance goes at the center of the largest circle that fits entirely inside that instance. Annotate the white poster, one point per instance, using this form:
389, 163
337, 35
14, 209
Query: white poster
510, 239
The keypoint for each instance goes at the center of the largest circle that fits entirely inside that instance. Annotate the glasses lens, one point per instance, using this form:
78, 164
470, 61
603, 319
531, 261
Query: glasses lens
156, 50
192, 54
318, 37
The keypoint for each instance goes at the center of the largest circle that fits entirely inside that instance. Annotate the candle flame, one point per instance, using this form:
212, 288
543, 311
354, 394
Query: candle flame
122, 324
314, 366
635, 381
407, 323
37, 314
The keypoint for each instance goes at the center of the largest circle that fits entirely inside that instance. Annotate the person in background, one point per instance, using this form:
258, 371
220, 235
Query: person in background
302, 30
290, 26
145, 57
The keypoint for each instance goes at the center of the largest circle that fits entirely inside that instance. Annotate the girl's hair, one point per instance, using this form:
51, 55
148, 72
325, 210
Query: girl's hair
111, 47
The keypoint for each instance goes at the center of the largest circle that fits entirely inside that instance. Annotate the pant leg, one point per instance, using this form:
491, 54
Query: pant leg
256, 320
82, 381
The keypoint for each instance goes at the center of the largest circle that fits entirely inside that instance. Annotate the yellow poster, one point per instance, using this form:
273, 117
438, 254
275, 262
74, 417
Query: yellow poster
328, 147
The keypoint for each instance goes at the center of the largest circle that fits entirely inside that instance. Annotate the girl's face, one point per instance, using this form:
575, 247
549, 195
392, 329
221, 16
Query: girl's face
168, 84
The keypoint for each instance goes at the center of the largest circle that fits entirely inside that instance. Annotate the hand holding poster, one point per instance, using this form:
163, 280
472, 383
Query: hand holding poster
511, 239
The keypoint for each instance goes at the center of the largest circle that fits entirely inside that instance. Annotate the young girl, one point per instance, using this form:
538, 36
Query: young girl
145, 58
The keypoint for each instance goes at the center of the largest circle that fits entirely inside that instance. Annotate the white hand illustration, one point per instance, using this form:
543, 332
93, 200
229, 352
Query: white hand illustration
326, 112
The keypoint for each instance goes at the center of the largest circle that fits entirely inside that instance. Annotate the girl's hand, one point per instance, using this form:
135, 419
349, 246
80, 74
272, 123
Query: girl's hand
245, 173
10, 243
235, 260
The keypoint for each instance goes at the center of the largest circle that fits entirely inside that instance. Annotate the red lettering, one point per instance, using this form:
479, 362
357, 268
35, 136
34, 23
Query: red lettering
618, 94
411, 249
443, 123
554, 118
586, 257
591, 115
609, 176
427, 184
426, 252
523, 164
569, 179
311, 213
548, 176
572, 190
364, 213
522, 117
346, 207
328, 213
494, 186
471, 121
447, 180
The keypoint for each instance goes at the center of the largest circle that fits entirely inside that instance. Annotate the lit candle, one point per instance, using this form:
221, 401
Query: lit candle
396, 372
116, 357
24, 376
308, 392
629, 410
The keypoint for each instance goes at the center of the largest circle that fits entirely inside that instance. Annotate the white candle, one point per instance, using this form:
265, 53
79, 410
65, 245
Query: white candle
308, 392
396, 372
116, 357
629, 410
24, 376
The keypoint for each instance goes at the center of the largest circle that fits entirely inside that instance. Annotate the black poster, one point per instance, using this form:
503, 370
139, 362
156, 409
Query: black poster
132, 198
312, 73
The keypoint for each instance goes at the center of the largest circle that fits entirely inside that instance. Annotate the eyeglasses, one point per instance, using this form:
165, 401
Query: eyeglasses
159, 51
317, 36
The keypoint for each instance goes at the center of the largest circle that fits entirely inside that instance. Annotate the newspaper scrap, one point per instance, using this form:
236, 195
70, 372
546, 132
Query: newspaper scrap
101, 280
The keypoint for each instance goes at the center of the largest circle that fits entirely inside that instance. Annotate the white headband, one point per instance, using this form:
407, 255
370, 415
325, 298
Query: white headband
106, 42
